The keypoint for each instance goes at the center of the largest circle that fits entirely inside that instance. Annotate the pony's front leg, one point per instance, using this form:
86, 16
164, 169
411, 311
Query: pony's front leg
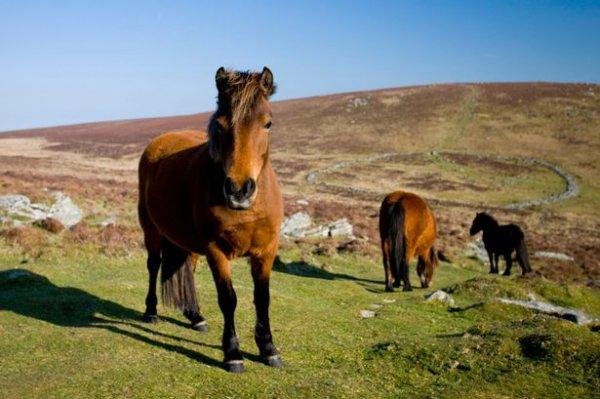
261, 273
491, 256
221, 271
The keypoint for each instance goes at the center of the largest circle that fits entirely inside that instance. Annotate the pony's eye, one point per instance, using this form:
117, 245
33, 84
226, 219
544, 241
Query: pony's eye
268, 125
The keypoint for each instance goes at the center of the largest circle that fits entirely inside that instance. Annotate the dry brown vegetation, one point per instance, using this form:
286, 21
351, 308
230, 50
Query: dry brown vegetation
95, 163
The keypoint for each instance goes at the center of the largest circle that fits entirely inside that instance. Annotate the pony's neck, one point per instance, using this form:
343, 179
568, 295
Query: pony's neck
490, 223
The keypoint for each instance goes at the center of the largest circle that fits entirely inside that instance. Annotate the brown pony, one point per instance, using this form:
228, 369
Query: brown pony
407, 228
218, 197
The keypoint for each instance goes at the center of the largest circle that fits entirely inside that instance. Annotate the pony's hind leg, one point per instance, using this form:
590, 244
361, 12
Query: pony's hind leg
508, 259
421, 271
387, 268
404, 275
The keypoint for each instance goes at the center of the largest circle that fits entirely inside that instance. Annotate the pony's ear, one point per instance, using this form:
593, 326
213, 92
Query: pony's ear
221, 79
266, 82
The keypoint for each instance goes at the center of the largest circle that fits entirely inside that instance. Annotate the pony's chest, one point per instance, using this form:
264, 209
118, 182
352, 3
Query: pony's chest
241, 237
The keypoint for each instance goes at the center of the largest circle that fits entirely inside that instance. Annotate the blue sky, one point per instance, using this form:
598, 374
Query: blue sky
65, 62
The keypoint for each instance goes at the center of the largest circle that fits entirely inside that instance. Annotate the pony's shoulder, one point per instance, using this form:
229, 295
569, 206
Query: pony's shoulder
173, 142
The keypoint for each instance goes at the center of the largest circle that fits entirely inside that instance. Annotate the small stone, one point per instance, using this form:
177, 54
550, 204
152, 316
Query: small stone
440, 296
375, 306
389, 300
367, 314
302, 202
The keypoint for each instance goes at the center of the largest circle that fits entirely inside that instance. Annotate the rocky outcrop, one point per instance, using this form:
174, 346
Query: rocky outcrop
20, 208
299, 225
574, 315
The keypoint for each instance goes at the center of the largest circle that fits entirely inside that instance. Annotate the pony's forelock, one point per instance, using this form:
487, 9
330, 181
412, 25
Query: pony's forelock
239, 93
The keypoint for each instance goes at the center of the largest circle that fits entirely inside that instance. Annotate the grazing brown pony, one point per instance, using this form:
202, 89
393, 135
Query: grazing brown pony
407, 228
219, 198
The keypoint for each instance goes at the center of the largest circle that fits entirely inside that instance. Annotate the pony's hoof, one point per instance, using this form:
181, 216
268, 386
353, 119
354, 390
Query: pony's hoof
407, 288
234, 366
201, 326
273, 361
506, 274
397, 284
389, 289
150, 318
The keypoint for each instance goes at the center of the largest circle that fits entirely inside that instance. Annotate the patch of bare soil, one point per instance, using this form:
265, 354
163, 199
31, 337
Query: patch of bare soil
434, 182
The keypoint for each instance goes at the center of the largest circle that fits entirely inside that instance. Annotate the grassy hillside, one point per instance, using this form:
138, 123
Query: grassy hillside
69, 314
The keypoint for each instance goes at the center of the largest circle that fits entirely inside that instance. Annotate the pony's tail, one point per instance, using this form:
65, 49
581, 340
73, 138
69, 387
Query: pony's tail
523, 255
441, 255
178, 287
398, 246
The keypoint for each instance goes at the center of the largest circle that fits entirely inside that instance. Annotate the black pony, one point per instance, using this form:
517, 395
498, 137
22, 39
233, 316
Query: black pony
501, 240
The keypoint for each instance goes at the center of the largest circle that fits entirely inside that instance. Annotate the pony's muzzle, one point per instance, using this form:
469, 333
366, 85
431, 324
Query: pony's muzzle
239, 197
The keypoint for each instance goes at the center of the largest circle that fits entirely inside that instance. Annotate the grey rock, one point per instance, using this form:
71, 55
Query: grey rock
340, 227
476, 250
574, 315
440, 296
299, 225
14, 201
64, 210
302, 202
294, 225
318, 231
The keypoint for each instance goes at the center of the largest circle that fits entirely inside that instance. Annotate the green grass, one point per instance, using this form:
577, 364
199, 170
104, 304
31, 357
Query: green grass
70, 328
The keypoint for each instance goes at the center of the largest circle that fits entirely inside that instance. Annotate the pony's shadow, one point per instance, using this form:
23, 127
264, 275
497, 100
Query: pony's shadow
35, 296
304, 269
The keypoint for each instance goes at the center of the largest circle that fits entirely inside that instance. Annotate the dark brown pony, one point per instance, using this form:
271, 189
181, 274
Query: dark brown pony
407, 228
218, 197
501, 240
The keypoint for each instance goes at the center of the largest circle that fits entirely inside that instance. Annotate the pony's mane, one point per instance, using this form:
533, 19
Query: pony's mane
239, 92
487, 218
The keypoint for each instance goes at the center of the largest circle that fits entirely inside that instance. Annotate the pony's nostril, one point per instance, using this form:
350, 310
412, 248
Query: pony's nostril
229, 187
248, 188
